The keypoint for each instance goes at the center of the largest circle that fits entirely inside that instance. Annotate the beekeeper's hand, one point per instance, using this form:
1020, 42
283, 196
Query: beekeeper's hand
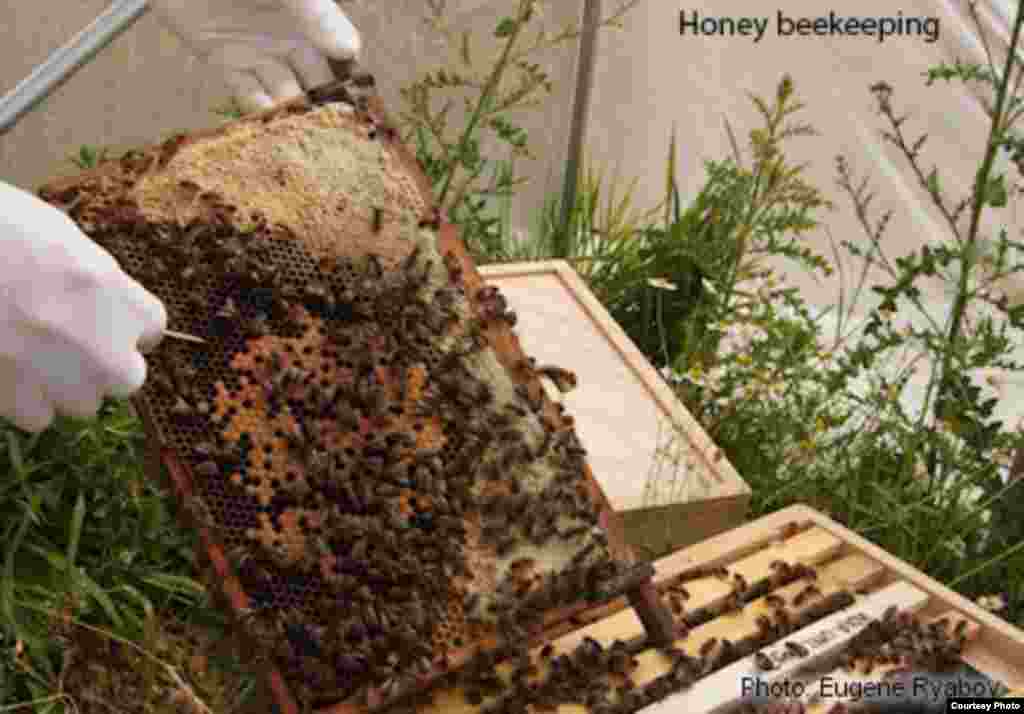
268, 50
71, 321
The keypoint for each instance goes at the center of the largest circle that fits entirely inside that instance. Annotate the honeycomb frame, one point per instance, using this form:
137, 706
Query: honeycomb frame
268, 539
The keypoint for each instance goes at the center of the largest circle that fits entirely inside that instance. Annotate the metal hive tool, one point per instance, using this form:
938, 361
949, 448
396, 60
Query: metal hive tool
379, 486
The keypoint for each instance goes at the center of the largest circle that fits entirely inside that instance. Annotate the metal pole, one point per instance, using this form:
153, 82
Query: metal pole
64, 62
581, 105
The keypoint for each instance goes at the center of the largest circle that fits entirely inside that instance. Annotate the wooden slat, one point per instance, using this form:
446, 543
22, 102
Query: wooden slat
721, 691
811, 547
729, 546
844, 574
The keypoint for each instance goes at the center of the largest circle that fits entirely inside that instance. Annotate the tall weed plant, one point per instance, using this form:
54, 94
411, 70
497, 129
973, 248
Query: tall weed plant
822, 418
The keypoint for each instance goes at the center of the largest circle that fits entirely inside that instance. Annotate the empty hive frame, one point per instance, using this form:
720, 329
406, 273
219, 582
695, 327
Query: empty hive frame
790, 598
381, 488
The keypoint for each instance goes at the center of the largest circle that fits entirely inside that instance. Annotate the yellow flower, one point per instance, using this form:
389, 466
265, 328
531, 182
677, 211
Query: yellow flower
744, 359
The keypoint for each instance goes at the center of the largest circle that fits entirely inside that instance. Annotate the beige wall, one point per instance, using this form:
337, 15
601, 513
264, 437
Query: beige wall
146, 85
650, 77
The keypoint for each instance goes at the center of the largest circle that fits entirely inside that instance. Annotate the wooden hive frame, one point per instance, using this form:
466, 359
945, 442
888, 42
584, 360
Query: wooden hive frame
798, 536
634, 580
623, 409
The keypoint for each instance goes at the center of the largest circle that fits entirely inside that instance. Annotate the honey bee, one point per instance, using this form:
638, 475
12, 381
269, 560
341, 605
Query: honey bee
704, 571
377, 219
801, 570
782, 620
451, 262
797, 649
162, 382
764, 662
584, 553
524, 393
208, 469
228, 311
564, 379
257, 326
708, 646
739, 583
516, 410
732, 604
182, 409
200, 512
811, 591
505, 546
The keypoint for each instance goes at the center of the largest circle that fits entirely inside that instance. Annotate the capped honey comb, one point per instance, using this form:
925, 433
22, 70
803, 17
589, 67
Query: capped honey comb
387, 489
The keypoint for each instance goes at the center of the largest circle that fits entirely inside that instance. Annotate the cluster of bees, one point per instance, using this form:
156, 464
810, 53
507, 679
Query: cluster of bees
898, 638
600, 677
902, 639
371, 619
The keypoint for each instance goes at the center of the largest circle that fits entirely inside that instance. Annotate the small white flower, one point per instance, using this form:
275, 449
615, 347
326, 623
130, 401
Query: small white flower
1000, 164
992, 603
661, 284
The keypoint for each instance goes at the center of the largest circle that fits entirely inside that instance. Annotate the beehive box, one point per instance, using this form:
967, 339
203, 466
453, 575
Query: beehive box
659, 469
763, 603
380, 485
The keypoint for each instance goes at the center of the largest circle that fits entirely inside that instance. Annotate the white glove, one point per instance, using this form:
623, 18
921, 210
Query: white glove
71, 321
268, 50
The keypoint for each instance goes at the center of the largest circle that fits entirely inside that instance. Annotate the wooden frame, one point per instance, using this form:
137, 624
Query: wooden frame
843, 560
635, 581
622, 407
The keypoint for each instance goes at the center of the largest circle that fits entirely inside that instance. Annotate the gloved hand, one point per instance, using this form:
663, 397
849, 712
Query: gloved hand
268, 50
71, 321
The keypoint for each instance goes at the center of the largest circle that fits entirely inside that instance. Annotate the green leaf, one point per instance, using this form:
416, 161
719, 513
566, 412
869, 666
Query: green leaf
93, 590
7, 585
933, 182
505, 28
177, 584
14, 452
75, 532
995, 193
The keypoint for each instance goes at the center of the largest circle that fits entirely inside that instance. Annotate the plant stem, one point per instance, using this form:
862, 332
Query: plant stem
485, 96
967, 260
